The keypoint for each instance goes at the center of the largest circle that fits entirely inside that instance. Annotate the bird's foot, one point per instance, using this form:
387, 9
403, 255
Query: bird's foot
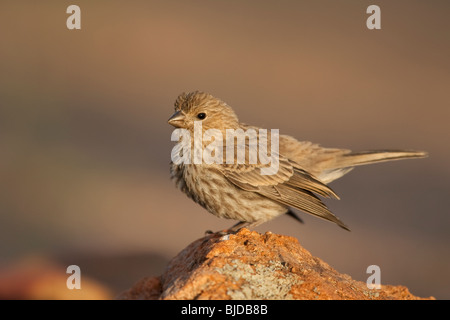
233, 230
221, 232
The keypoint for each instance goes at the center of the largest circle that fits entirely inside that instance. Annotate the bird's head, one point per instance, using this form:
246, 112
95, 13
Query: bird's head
199, 106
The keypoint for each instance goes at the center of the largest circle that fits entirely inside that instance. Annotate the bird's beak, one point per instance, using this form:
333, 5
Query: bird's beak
176, 119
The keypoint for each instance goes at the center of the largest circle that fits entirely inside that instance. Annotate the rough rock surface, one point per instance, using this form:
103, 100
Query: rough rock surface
249, 265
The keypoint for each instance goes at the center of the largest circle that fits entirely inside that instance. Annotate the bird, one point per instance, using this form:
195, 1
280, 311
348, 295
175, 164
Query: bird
239, 191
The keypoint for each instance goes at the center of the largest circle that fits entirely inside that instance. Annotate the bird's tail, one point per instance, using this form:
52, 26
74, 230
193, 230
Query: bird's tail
366, 157
347, 161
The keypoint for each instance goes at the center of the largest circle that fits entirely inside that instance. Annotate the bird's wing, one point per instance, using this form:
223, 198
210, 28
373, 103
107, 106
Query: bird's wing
290, 185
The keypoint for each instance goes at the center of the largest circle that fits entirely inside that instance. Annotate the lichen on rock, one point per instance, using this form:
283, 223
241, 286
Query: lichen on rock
254, 266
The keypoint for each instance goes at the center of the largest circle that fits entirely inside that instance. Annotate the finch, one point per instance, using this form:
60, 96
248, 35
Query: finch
239, 190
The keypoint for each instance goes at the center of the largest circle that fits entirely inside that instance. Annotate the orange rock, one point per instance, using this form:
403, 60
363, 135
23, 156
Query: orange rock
249, 265
43, 279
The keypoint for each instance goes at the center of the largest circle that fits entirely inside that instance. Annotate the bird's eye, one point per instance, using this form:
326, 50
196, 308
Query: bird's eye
201, 115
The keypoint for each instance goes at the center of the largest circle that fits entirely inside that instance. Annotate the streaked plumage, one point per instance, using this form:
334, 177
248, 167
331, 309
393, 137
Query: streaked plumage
240, 192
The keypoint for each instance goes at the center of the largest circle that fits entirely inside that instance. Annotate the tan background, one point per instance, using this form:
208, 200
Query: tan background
85, 146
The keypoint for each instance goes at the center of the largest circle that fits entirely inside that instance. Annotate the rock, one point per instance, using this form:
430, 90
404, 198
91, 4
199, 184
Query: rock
40, 278
250, 265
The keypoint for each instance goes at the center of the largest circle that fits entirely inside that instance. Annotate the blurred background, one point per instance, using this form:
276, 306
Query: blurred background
85, 145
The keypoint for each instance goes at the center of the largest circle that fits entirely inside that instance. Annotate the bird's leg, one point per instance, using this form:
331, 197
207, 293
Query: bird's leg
235, 228
238, 226
241, 224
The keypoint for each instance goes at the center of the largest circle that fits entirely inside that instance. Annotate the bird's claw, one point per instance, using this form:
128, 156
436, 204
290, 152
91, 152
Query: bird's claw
221, 232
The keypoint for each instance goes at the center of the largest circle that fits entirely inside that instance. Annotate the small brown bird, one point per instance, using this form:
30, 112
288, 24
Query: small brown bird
239, 191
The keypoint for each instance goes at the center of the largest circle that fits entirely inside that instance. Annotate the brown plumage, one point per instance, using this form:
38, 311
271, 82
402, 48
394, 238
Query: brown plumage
239, 191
